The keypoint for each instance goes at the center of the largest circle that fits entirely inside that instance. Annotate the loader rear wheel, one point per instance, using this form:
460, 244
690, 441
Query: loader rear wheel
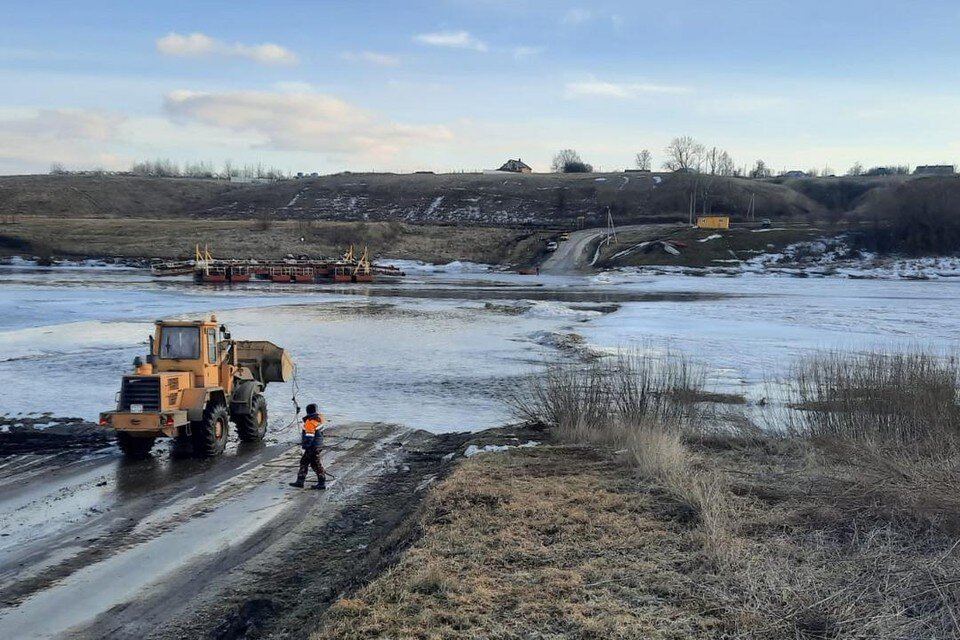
253, 426
210, 433
134, 447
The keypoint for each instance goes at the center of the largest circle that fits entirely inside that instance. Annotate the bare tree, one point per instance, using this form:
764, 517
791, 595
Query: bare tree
760, 170
644, 160
725, 165
683, 154
57, 169
813, 173
569, 161
855, 170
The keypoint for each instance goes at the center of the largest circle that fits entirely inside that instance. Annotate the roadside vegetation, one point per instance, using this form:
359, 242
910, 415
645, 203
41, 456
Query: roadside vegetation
649, 513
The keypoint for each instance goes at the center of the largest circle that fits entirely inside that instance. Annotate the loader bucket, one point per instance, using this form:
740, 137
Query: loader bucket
267, 361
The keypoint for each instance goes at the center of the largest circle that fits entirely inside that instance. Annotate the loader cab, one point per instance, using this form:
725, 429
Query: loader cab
193, 347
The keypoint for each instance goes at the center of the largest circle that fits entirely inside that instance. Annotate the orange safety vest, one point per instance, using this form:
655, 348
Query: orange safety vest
311, 425
312, 435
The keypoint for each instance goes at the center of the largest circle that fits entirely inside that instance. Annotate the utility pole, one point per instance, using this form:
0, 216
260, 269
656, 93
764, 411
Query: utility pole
611, 228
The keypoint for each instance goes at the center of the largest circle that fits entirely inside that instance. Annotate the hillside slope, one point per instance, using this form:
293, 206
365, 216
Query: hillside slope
105, 196
538, 200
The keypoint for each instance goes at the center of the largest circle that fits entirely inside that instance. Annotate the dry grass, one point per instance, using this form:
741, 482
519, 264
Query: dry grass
604, 400
664, 530
553, 542
644, 407
899, 399
264, 237
845, 530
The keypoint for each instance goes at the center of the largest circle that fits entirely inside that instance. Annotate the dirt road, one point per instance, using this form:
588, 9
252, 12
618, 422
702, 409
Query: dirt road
95, 546
577, 254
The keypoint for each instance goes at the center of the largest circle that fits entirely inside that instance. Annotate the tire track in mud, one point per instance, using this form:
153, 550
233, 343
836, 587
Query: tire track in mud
151, 511
284, 591
326, 549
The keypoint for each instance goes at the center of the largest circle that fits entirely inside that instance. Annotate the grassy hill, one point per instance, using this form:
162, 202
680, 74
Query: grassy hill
888, 214
472, 199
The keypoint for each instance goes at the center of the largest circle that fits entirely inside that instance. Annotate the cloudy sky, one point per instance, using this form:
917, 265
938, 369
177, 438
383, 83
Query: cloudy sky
453, 85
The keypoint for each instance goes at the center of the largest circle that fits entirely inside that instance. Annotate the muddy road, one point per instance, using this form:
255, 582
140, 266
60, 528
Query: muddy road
96, 546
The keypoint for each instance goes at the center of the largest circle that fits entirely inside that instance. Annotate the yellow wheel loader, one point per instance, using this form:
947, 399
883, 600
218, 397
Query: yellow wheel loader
194, 382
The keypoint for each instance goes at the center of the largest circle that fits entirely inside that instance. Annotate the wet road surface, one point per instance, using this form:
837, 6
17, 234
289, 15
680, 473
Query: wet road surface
94, 545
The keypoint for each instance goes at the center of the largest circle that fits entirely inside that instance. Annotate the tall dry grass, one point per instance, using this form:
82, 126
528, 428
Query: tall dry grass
603, 401
892, 399
644, 407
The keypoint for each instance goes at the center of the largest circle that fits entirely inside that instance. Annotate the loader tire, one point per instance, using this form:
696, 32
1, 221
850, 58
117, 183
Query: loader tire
134, 447
210, 434
253, 426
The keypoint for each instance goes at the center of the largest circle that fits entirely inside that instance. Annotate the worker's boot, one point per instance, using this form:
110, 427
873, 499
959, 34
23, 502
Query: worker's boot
321, 484
298, 484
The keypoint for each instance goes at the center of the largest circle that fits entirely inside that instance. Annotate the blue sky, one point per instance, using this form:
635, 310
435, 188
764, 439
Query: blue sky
463, 84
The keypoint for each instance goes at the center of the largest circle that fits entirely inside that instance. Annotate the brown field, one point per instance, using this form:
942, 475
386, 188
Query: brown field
565, 541
176, 238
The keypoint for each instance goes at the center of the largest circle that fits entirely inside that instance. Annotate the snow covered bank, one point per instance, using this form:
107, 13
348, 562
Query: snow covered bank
832, 257
91, 263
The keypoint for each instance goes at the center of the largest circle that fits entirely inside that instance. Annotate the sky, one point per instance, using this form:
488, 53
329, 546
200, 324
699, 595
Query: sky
463, 85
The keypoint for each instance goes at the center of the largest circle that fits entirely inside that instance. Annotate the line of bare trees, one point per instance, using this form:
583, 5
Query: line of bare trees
166, 168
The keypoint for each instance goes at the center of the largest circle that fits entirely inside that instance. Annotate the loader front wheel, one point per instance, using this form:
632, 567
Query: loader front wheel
210, 433
253, 426
134, 447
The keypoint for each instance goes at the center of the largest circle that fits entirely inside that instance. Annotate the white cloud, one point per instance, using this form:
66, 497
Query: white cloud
371, 57
304, 122
73, 137
577, 16
526, 52
599, 88
199, 44
451, 39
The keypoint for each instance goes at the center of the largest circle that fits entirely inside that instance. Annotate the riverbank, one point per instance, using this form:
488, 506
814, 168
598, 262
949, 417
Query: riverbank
569, 541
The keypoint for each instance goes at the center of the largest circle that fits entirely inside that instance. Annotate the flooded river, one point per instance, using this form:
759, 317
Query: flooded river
435, 350
96, 546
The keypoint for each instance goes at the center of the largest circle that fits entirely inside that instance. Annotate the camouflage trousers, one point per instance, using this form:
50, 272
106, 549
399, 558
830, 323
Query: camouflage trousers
311, 460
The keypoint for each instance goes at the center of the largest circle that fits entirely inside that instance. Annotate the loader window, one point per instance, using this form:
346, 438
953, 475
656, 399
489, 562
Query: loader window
212, 346
180, 343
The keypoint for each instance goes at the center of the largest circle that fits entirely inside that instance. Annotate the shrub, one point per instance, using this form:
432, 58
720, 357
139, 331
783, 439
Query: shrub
890, 399
600, 400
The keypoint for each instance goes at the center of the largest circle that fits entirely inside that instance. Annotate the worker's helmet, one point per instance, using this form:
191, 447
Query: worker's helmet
311, 408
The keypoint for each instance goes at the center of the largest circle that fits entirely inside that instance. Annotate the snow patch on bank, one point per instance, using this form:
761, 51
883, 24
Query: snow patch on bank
552, 310
474, 450
457, 266
126, 264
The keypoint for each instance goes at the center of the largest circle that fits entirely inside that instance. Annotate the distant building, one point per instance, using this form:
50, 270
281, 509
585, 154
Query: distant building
713, 222
515, 166
795, 174
636, 170
935, 170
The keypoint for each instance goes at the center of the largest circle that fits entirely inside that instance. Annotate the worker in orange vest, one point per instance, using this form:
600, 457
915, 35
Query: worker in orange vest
311, 439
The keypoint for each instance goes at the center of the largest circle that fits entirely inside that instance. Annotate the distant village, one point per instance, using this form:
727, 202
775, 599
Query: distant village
257, 174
